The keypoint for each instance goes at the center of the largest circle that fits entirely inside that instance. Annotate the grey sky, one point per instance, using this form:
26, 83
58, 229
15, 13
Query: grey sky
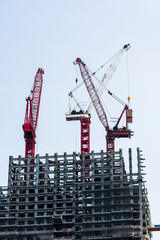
51, 34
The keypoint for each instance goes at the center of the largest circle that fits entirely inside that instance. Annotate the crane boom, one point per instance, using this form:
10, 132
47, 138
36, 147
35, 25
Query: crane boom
93, 93
36, 96
32, 112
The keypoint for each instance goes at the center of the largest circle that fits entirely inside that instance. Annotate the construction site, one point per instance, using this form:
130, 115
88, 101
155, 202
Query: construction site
85, 195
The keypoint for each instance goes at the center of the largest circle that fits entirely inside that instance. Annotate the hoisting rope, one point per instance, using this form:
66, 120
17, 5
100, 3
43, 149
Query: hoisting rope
128, 79
76, 77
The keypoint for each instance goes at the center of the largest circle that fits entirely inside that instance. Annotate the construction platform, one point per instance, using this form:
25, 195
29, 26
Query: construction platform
74, 196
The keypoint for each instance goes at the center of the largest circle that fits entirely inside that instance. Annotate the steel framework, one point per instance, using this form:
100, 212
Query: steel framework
60, 203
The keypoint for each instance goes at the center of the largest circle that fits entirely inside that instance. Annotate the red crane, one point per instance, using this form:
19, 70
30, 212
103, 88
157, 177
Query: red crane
85, 117
111, 133
85, 128
31, 115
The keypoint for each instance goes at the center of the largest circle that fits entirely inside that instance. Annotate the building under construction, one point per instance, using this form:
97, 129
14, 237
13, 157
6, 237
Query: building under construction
74, 196
79, 196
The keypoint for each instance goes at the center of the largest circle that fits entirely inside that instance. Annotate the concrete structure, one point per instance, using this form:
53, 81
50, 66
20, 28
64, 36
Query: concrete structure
74, 196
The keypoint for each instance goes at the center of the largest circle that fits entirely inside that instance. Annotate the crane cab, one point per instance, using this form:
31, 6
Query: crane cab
73, 116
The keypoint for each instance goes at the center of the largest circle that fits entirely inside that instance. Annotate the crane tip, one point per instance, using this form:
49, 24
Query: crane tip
77, 61
127, 47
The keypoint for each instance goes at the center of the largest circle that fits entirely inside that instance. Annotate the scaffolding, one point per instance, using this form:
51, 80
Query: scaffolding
74, 196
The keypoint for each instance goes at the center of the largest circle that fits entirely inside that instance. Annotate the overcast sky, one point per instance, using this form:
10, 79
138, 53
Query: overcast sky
51, 34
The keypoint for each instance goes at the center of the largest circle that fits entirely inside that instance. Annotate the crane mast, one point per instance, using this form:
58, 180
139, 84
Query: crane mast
31, 115
84, 118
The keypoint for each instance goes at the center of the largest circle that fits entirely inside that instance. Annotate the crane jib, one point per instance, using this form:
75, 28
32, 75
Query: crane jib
93, 93
31, 115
